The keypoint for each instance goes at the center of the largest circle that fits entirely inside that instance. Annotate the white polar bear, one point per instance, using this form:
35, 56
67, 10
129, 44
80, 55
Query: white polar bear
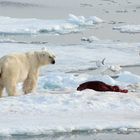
23, 67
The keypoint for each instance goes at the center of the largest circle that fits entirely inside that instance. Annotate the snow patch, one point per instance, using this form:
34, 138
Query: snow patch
45, 113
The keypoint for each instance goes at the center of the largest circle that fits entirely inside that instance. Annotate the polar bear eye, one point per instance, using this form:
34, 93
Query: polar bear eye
50, 57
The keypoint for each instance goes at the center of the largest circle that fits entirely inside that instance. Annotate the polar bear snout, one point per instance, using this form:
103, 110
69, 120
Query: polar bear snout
53, 61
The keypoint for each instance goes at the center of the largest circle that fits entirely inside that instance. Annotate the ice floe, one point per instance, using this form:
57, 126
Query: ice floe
128, 29
35, 26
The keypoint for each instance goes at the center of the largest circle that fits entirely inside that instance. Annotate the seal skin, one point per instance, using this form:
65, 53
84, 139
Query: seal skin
100, 86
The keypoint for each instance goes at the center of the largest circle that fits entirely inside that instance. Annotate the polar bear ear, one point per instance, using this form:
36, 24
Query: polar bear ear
44, 49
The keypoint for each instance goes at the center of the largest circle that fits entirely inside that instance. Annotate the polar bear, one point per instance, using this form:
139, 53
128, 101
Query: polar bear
24, 67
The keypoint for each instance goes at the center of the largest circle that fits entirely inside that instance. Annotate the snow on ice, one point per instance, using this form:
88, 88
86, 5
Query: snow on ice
56, 106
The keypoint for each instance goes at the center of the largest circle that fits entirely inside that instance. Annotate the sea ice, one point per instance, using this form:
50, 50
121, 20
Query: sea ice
128, 29
35, 26
56, 106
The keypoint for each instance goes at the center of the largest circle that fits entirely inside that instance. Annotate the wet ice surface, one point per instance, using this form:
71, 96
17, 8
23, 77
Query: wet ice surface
17, 4
113, 17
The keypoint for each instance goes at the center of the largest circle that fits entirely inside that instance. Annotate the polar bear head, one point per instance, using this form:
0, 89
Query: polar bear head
44, 57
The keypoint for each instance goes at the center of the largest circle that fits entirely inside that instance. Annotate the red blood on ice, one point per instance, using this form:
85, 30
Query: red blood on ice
100, 86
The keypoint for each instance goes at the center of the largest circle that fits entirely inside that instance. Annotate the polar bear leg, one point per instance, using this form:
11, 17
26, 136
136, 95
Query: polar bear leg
10, 82
29, 84
1, 89
11, 88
